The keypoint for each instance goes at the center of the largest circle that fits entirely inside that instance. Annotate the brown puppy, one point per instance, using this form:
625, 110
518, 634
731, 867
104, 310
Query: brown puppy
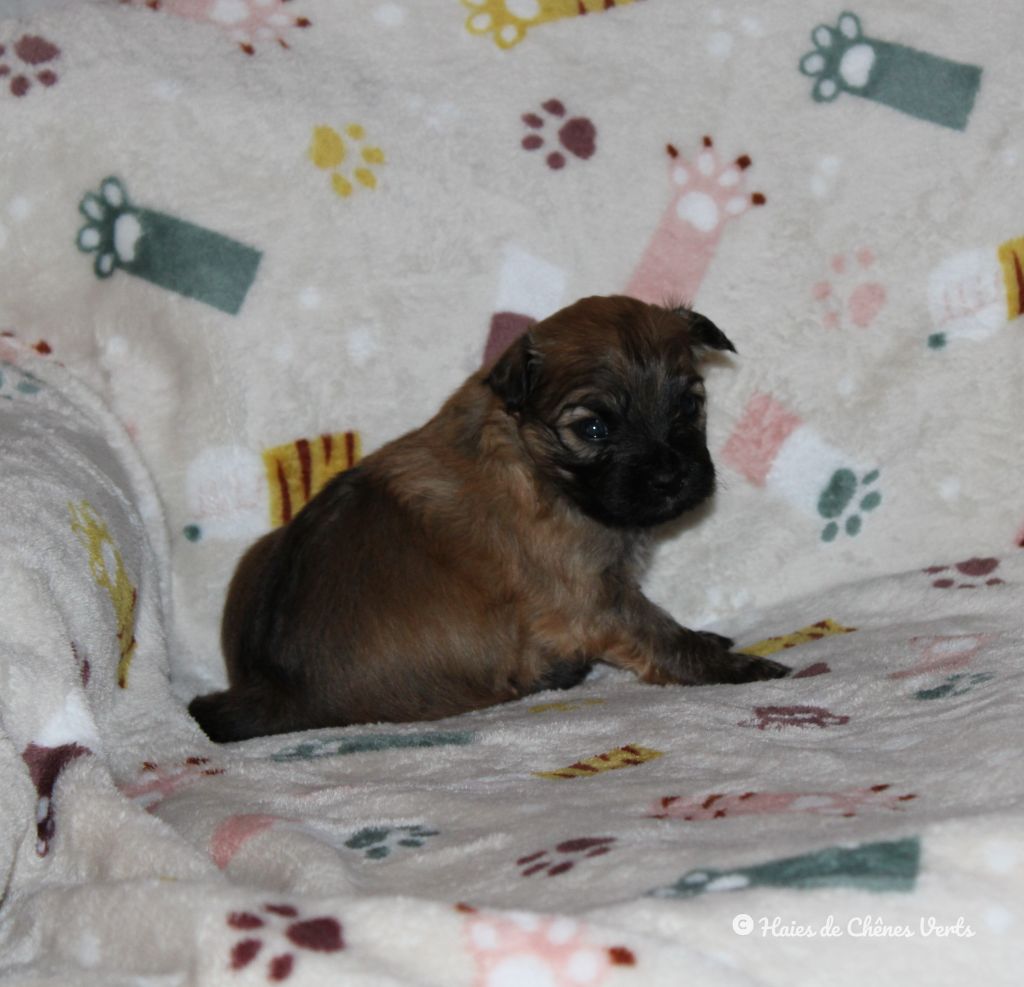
494, 552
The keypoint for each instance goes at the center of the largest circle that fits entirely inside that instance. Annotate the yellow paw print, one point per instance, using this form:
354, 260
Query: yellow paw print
509, 20
329, 151
107, 568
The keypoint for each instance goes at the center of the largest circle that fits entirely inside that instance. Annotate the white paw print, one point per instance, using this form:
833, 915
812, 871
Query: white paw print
966, 297
722, 40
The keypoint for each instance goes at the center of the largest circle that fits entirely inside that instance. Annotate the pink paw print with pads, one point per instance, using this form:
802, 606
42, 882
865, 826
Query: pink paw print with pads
525, 948
706, 194
849, 295
246, 22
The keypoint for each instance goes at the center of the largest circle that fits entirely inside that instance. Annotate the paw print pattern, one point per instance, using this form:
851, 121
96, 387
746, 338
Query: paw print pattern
246, 22
36, 56
565, 856
887, 866
166, 251
523, 948
507, 21
850, 296
279, 933
955, 685
577, 135
975, 293
917, 83
16, 383
721, 42
706, 195
720, 805
774, 448
377, 842
44, 766
318, 747
12, 349
806, 635
156, 783
329, 152
844, 499
970, 574
944, 653
781, 717
106, 565
622, 757
570, 706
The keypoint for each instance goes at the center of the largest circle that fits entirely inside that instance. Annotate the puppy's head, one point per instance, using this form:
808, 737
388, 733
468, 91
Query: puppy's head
610, 406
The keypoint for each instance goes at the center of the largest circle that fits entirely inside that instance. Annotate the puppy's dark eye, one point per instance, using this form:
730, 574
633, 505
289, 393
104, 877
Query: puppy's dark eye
591, 430
689, 405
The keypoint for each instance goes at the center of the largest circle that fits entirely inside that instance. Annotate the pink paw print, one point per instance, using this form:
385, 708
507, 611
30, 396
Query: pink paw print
721, 805
849, 296
944, 653
523, 948
706, 195
157, 783
245, 21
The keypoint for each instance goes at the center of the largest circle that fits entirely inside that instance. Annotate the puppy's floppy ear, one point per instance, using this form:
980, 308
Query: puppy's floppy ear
704, 334
515, 373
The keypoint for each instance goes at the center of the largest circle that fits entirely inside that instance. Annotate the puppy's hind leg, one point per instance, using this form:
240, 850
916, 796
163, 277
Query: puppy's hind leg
243, 713
563, 675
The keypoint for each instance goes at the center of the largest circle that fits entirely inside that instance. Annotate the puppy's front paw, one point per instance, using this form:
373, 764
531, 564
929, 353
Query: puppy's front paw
753, 669
737, 668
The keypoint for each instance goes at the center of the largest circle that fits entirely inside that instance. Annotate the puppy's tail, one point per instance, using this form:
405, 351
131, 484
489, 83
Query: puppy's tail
240, 714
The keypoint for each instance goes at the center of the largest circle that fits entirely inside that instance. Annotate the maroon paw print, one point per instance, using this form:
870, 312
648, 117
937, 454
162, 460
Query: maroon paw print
818, 668
317, 935
973, 569
570, 852
577, 135
32, 51
779, 717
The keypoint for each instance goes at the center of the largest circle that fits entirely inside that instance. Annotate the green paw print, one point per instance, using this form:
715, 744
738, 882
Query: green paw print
164, 250
888, 866
837, 500
377, 842
841, 61
14, 382
955, 685
309, 750
914, 82
111, 229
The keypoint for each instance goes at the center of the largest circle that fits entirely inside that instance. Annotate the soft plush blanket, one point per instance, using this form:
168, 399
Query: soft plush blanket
243, 242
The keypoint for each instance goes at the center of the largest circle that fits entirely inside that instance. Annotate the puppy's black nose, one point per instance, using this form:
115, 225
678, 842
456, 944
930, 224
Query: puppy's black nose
666, 482
666, 471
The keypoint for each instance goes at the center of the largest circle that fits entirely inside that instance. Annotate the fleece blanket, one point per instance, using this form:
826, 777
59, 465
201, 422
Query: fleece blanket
243, 242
